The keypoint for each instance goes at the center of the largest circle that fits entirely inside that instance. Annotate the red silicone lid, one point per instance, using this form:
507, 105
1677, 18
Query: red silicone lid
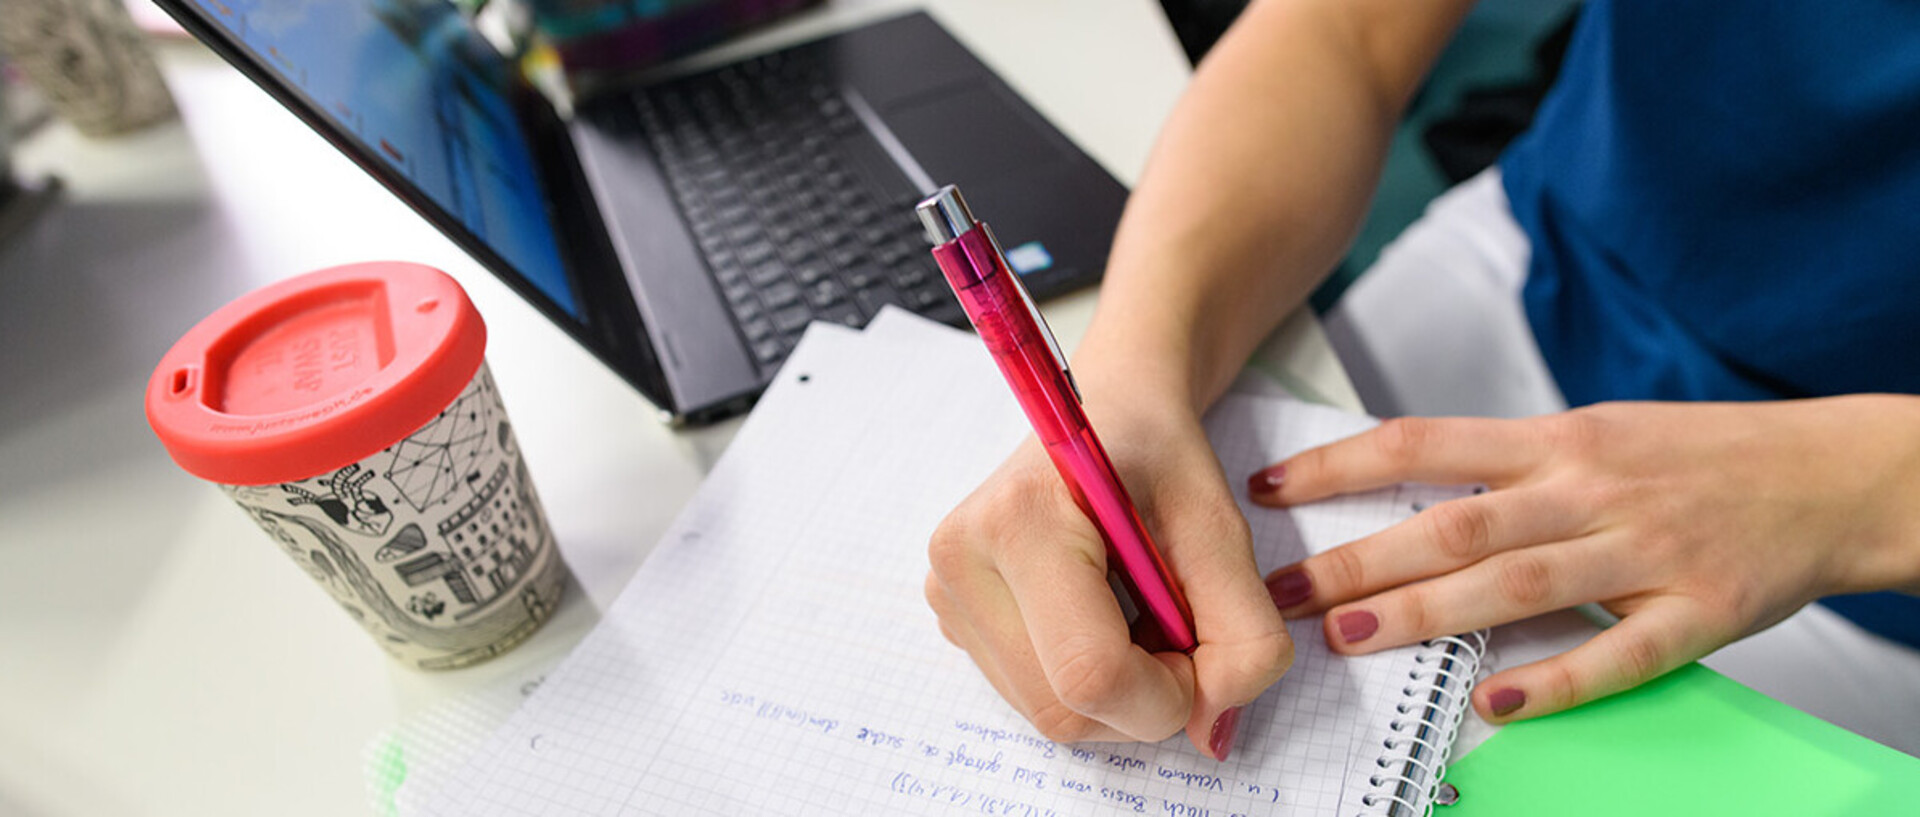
314, 373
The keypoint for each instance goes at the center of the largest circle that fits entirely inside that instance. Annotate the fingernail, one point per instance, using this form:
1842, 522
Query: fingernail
1220, 740
1504, 701
1356, 625
1268, 480
1290, 587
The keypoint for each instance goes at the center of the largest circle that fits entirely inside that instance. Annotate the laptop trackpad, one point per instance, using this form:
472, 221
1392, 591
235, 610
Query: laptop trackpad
972, 134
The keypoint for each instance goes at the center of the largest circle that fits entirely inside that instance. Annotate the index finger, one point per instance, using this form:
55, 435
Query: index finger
1244, 645
1446, 451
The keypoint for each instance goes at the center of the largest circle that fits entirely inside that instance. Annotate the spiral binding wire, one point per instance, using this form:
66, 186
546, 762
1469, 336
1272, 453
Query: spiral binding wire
1424, 727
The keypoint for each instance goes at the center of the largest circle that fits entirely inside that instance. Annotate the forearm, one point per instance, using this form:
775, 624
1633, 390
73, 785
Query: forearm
1255, 188
1877, 468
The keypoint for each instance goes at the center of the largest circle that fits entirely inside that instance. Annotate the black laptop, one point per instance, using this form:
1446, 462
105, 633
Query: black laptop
685, 230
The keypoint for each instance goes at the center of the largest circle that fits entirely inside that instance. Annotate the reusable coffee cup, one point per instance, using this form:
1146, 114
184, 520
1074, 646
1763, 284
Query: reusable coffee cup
351, 414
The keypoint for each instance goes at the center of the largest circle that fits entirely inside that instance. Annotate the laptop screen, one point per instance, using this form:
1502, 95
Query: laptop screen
424, 95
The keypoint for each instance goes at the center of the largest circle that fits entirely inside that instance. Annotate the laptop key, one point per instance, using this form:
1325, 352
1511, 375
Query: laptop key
797, 253
833, 235
787, 342
767, 274
791, 318
738, 293
763, 195
757, 329
925, 298
876, 225
781, 294
845, 314
853, 200
723, 258
754, 251
729, 275
861, 276
810, 274
894, 252
909, 276
844, 256
769, 351
825, 294
746, 233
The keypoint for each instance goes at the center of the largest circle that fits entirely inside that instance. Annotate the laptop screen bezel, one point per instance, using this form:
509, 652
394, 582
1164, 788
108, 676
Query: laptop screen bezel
609, 324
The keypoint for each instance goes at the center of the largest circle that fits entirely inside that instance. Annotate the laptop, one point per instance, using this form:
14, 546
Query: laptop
685, 230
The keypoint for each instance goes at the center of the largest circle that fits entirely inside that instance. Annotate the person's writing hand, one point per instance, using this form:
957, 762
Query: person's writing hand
1696, 524
1019, 580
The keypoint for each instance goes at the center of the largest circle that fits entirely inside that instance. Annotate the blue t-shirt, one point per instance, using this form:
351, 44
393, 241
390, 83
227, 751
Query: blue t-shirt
1724, 204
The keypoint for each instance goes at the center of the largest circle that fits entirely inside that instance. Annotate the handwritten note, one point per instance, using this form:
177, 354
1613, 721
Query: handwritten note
774, 655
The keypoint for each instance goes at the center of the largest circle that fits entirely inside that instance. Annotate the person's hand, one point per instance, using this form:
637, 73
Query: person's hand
1696, 524
1019, 581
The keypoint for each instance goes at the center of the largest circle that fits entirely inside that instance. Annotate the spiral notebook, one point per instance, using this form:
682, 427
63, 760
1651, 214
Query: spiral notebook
774, 654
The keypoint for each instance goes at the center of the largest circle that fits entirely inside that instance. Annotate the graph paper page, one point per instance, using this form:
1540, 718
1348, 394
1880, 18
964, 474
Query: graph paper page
775, 655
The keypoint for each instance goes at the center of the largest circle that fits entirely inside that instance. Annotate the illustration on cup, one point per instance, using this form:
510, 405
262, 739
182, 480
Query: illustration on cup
426, 542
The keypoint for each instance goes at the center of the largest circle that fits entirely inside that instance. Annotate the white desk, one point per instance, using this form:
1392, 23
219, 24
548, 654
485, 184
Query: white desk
157, 655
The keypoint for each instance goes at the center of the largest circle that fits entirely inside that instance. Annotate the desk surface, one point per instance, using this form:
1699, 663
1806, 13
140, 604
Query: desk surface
161, 657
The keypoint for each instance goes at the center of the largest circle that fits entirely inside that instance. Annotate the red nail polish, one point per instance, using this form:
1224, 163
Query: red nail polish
1268, 480
1290, 588
1505, 701
1220, 740
1356, 625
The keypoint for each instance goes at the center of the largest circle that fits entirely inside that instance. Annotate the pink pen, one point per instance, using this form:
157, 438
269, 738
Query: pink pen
1014, 332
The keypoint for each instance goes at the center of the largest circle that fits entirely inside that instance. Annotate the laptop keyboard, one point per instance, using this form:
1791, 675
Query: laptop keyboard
798, 210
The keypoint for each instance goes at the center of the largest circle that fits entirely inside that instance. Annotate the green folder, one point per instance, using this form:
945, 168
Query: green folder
1692, 742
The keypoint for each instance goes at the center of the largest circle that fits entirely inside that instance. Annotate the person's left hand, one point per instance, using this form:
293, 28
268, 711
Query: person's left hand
1696, 524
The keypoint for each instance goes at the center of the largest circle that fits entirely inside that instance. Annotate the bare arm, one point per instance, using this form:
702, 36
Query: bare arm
1253, 190
1258, 183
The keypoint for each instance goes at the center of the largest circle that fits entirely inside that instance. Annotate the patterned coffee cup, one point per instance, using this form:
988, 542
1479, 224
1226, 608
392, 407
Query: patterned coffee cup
351, 414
